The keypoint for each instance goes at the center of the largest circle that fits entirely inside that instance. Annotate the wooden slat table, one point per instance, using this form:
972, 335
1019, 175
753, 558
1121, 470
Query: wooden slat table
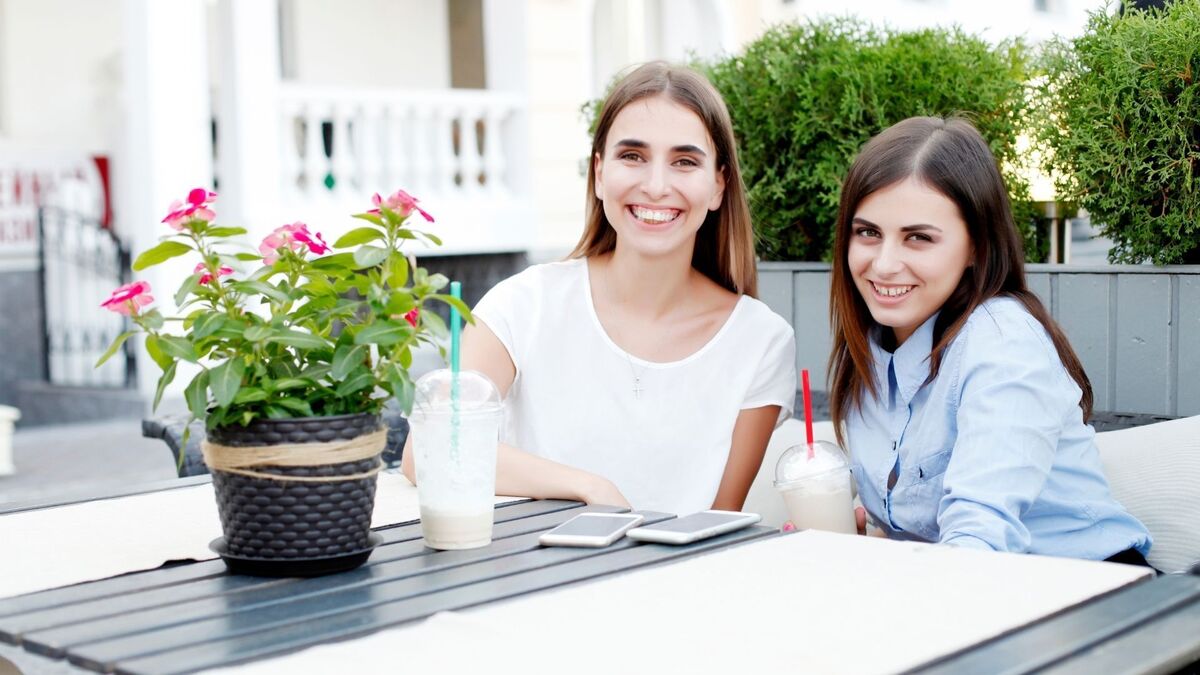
195, 616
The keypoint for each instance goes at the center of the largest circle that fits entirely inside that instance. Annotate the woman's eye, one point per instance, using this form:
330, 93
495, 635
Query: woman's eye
916, 236
866, 232
629, 156
687, 161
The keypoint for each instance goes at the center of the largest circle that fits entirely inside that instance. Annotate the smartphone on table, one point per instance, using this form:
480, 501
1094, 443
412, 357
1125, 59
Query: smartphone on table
694, 527
594, 530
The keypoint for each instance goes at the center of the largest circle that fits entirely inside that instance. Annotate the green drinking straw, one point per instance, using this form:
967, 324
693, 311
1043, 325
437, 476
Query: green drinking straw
455, 340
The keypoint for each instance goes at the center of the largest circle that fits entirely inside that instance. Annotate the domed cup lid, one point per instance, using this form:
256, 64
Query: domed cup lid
795, 465
437, 390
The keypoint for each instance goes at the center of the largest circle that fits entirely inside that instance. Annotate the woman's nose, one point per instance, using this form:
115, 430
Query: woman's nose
656, 180
887, 261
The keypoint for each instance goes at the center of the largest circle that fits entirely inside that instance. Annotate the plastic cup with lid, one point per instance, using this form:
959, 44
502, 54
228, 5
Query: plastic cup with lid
455, 426
815, 486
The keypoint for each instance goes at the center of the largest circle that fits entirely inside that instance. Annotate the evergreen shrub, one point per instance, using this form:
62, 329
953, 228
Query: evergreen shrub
1121, 124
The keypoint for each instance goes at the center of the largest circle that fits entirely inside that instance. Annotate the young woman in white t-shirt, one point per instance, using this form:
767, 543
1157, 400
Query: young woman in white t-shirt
641, 371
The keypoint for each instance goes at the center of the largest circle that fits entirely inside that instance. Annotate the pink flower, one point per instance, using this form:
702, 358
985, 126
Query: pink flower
294, 237
412, 316
401, 202
221, 272
128, 299
198, 201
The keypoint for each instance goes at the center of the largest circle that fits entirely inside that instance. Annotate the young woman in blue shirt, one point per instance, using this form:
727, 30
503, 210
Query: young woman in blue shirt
964, 407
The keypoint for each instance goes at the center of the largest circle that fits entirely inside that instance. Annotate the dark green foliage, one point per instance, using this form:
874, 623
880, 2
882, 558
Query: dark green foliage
1122, 122
805, 97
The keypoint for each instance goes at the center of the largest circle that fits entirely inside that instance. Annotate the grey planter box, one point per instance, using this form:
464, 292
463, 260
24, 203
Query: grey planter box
1136, 328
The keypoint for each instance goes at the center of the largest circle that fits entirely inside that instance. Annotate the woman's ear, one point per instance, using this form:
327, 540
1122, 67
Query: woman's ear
598, 170
719, 195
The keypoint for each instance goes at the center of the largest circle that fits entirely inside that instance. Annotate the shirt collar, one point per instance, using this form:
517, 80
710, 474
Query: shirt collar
910, 360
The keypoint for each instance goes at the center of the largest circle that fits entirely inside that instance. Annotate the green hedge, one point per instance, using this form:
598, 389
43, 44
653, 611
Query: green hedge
805, 97
1121, 119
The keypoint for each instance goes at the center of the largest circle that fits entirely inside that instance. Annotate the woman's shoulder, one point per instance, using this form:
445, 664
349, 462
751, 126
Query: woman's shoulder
754, 316
542, 278
1004, 323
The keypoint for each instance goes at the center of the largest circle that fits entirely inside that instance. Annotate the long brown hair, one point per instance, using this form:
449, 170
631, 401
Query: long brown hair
948, 155
724, 249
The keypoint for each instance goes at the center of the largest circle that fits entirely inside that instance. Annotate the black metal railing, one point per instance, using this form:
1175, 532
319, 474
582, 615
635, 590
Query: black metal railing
80, 263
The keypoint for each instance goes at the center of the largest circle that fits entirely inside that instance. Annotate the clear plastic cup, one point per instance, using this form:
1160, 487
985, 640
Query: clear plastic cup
454, 441
817, 489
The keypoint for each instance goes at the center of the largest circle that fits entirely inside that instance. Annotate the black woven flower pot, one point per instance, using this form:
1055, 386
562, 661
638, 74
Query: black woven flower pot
293, 521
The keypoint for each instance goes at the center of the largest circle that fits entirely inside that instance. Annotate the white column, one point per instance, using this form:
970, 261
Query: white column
505, 30
165, 147
249, 115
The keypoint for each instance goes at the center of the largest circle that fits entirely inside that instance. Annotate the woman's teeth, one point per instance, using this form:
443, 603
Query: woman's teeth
654, 216
891, 291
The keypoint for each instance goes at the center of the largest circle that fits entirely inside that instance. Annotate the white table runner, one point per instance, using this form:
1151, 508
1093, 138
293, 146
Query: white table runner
57, 546
809, 602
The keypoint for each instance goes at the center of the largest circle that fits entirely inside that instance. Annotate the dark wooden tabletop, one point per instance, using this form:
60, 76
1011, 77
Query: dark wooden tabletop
195, 616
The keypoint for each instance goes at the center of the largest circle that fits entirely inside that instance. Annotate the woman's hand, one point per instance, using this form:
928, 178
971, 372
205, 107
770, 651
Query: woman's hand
597, 490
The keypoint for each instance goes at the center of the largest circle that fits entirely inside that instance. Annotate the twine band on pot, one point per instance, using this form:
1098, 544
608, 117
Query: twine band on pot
243, 460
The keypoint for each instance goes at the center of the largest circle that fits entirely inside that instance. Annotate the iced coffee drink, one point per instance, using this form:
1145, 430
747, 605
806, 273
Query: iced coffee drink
455, 425
815, 486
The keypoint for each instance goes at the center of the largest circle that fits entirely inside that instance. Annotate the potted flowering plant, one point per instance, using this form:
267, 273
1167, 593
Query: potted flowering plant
295, 361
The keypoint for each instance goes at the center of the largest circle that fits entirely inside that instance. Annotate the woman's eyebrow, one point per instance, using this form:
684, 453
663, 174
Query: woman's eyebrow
918, 227
642, 145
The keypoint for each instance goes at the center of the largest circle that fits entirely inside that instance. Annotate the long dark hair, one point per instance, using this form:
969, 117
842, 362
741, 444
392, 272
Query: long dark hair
724, 249
948, 155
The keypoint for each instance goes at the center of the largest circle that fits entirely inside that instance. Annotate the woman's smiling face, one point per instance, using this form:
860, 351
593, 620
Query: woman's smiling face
909, 248
658, 178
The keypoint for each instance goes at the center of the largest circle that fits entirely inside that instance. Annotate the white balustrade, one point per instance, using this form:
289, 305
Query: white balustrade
445, 142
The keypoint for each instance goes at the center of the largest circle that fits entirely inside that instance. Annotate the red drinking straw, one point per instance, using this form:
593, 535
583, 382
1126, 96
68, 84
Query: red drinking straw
808, 432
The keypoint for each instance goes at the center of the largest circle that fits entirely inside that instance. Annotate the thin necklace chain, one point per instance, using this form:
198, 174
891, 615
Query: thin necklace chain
637, 376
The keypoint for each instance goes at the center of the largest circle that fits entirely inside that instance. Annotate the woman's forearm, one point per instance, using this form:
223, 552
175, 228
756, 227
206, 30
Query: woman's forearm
522, 474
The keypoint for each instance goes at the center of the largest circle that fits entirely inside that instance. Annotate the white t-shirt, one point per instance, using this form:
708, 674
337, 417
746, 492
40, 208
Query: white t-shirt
573, 398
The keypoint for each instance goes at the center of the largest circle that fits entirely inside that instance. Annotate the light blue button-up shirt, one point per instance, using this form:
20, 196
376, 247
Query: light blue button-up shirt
991, 454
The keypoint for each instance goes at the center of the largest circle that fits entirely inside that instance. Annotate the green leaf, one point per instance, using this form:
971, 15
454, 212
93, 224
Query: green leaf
189, 285
153, 319
402, 387
437, 281
315, 372
370, 218
112, 349
177, 347
298, 339
163, 252
369, 256
359, 235
225, 231
399, 270
358, 380
383, 333
226, 379
295, 405
206, 324
434, 324
290, 383
196, 395
346, 358
249, 395
274, 412
252, 287
432, 238
258, 333
156, 352
166, 378
457, 304
400, 303
247, 257
337, 261
405, 358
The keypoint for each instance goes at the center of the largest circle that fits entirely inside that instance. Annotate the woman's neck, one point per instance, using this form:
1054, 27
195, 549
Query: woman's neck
650, 287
